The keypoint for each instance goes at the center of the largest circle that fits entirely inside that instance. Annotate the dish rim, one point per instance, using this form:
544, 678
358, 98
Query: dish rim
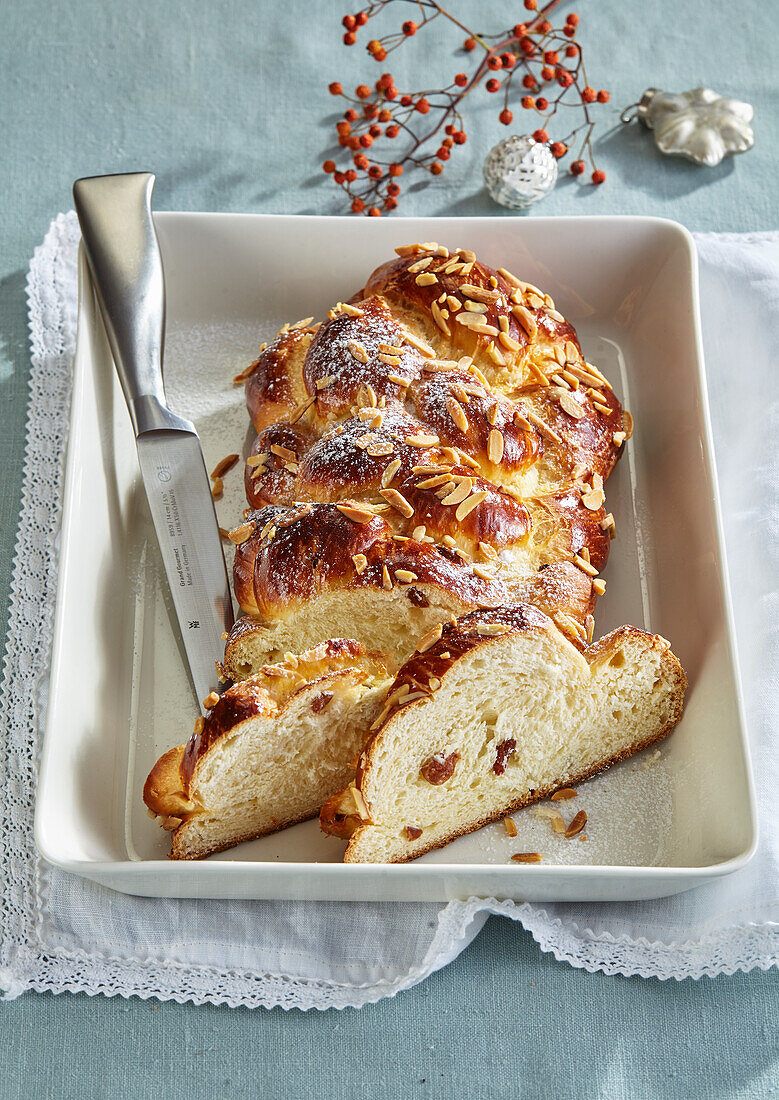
136, 868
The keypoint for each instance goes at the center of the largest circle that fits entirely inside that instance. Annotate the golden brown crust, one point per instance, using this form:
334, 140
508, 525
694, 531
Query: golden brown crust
182, 850
272, 389
304, 550
164, 790
393, 388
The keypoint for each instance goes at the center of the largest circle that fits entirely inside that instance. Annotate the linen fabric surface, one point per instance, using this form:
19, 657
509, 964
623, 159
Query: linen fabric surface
60, 932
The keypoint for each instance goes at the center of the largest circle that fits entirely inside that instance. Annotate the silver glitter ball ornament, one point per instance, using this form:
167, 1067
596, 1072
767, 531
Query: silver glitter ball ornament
519, 171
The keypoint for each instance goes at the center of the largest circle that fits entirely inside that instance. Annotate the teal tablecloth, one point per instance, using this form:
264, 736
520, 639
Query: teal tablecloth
226, 102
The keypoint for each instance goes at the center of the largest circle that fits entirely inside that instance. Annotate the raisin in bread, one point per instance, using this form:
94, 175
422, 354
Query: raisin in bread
498, 710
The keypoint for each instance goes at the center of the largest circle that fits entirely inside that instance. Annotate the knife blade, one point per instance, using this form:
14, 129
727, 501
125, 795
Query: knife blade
125, 266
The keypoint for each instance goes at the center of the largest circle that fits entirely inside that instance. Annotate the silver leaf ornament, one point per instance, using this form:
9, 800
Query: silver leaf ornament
700, 125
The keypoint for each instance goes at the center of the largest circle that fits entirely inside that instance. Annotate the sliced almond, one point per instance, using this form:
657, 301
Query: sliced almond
510, 826
543, 428
495, 446
224, 465
405, 576
491, 630
598, 374
569, 626
469, 504
537, 373
398, 502
357, 515
239, 535
459, 493
495, 356
357, 351
526, 319
457, 414
301, 410
389, 360
509, 277
420, 345
479, 293
380, 449
585, 565
429, 639
556, 818
594, 499
283, 452
421, 439
526, 857
563, 794
468, 319
570, 405
390, 472
360, 563
576, 826
439, 318
245, 373
434, 482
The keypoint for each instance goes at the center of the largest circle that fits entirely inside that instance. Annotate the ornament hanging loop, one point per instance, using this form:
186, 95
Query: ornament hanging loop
626, 115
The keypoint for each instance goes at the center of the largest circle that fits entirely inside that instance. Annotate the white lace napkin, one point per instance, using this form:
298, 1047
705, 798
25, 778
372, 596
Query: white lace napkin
60, 932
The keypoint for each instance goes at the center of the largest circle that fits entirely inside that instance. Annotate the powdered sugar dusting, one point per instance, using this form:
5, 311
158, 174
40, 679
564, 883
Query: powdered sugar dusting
629, 814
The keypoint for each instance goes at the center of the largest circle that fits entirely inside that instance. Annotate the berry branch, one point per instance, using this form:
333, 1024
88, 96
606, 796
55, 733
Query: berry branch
546, 61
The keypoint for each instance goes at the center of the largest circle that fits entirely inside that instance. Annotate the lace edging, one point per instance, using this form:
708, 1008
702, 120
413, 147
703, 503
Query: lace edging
27, 964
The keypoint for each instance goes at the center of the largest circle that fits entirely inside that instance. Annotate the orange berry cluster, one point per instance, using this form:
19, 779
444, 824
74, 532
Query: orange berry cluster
547, 62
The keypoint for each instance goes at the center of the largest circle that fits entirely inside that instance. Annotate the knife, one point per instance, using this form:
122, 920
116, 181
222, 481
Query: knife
123, 255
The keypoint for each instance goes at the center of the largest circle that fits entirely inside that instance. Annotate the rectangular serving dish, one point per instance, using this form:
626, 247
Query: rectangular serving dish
120, 696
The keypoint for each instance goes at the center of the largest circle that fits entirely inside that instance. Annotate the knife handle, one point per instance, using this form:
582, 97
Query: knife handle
124, 260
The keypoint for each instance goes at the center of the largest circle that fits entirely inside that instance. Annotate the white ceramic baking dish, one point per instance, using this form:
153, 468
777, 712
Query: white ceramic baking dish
119, 693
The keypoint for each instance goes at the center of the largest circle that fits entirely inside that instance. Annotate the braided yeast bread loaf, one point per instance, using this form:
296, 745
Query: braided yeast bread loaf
438, 444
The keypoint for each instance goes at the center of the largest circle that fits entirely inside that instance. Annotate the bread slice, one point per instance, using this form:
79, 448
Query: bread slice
392, 621
270, 751
500, 711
